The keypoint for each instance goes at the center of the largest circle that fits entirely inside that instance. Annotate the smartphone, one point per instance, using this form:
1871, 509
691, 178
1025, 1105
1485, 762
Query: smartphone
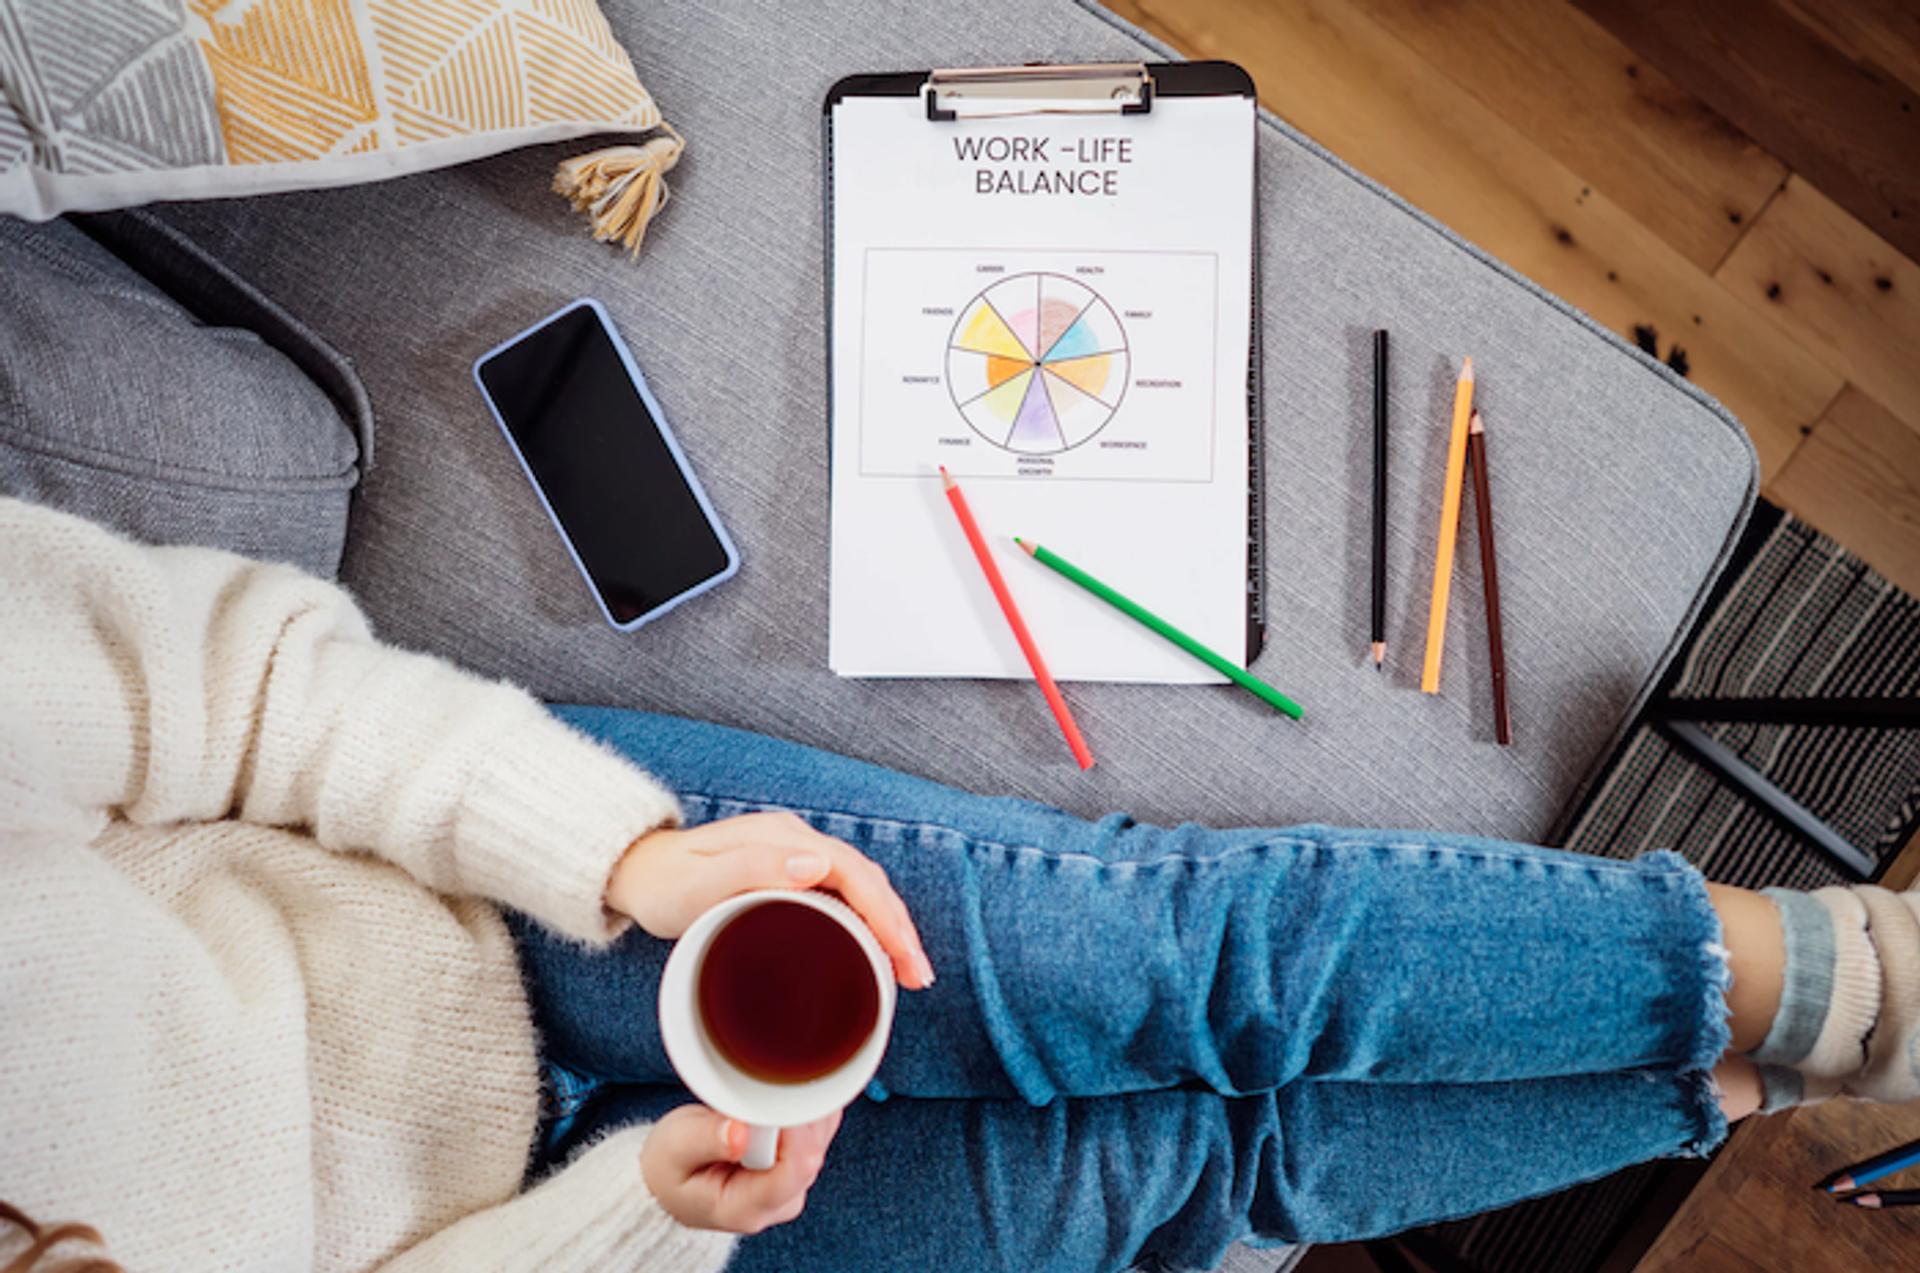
585, 427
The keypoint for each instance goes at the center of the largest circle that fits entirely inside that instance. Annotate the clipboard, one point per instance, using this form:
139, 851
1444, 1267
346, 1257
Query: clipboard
1044, 279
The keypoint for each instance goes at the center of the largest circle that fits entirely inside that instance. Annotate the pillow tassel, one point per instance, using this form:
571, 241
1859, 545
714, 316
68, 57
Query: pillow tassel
622, 187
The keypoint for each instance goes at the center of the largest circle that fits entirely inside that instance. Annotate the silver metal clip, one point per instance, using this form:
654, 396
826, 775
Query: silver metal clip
1112, 88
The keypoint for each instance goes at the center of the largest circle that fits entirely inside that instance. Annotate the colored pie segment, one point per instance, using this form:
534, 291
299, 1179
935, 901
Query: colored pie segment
1038, 364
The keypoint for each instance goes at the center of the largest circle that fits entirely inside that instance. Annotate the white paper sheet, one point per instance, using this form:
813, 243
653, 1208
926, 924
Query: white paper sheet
1057, 309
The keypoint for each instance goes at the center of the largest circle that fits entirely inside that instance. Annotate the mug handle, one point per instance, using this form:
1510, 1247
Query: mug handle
763, 1145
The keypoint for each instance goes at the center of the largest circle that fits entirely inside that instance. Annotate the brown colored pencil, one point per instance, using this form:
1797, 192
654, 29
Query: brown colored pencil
1490, 575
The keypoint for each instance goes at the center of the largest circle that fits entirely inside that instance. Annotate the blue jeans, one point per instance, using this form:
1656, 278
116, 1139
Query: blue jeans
1150, 1043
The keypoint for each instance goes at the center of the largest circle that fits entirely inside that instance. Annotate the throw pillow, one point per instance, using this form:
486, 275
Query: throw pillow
110, 103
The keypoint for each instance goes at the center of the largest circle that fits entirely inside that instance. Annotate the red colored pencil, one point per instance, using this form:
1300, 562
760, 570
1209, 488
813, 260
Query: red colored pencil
1014, 621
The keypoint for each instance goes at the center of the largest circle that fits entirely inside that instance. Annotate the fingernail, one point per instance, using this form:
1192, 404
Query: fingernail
926, 971
806, 866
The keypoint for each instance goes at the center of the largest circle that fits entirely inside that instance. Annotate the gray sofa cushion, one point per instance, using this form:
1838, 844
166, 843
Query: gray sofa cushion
1620, 487
119, 404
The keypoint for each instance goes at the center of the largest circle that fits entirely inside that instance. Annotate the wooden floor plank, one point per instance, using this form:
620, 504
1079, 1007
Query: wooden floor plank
1851, 132
1873, 33
1344, 80
1857, 479
1906, 867
1837, 289
1758, 1212
1671, 163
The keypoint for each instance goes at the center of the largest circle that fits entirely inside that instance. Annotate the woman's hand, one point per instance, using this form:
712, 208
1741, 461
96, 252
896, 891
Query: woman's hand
691, 1163
670, 875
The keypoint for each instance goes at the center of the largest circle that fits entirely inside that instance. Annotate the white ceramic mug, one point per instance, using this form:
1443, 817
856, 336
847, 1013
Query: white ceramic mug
723, 1086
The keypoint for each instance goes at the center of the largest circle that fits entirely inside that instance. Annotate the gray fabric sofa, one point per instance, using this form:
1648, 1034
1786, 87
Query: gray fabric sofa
276, 337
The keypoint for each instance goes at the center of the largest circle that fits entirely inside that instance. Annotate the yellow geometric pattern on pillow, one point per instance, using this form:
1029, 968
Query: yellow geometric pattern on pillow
310, 79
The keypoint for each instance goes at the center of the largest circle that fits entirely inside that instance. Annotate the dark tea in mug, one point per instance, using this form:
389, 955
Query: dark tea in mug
787, 994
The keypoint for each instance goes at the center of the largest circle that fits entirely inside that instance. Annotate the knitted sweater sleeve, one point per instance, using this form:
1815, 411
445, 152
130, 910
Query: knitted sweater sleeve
173, 684
595, 1215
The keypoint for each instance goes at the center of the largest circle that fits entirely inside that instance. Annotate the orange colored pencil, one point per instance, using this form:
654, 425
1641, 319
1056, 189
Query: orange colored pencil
1027, 647
1449, 528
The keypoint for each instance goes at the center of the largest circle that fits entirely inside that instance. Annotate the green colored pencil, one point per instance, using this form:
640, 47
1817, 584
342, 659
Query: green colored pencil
1133, 609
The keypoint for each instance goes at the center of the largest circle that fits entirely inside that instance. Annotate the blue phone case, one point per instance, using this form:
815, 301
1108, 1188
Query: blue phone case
666, 435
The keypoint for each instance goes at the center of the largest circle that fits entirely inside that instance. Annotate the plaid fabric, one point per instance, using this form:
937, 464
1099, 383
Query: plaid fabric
1803, 618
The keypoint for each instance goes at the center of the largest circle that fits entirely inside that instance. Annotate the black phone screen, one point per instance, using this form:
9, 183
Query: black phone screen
638, 523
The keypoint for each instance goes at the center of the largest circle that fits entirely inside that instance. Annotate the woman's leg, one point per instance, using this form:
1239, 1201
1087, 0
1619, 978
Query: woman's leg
1756, 965
1077, 956
1082, 958
1086, 1185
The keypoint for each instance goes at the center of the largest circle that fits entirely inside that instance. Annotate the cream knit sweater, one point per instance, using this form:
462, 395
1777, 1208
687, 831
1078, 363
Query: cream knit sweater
258, 1009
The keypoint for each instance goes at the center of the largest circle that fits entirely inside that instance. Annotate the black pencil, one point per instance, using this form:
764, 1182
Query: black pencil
1886, 1198
1490, 575
1379, 499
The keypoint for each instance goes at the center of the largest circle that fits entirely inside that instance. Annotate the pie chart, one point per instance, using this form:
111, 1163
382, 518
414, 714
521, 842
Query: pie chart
1037, 363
